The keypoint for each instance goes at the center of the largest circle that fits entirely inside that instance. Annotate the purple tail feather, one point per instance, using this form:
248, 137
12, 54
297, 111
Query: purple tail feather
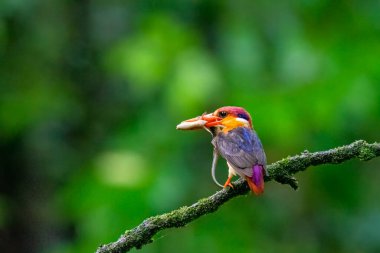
256, 182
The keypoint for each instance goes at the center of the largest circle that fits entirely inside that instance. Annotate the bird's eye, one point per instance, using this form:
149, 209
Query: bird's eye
222, 114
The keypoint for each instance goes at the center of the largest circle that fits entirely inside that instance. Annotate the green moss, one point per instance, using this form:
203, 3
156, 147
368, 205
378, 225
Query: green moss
366, 153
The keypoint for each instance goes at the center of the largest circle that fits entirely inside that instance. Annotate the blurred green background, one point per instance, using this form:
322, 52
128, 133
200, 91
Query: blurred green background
91, 92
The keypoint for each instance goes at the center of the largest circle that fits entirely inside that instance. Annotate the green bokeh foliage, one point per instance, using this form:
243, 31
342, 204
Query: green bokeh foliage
91, 91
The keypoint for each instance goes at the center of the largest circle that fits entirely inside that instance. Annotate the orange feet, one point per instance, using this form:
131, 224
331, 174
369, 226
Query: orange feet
228, 183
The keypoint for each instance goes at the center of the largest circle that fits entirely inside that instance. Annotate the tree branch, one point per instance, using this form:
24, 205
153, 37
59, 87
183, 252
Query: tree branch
280, 171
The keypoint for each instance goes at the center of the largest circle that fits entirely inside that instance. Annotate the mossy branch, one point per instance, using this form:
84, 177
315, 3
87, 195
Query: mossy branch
281, 171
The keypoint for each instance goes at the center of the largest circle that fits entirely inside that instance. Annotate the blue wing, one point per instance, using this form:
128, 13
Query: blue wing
241, 147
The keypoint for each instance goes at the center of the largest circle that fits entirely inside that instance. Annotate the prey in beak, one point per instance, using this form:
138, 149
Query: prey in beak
205, 121
208, 122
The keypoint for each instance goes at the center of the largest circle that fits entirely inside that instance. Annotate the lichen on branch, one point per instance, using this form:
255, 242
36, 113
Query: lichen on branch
281, 171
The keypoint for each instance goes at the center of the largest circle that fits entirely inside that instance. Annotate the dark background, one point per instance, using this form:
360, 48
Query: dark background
91, 92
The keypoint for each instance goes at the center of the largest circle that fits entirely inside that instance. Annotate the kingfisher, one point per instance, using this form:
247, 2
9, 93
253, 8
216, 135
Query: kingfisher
235, 139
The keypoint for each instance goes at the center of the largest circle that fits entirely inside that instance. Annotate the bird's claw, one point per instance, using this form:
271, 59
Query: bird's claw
228, 183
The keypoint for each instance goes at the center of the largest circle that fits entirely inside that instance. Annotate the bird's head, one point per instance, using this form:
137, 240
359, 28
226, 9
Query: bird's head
223, 119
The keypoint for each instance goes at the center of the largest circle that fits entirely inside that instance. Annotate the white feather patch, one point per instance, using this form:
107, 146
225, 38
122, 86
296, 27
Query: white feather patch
244, 121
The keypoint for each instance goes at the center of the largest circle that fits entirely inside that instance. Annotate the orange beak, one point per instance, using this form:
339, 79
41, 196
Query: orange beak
203, 121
